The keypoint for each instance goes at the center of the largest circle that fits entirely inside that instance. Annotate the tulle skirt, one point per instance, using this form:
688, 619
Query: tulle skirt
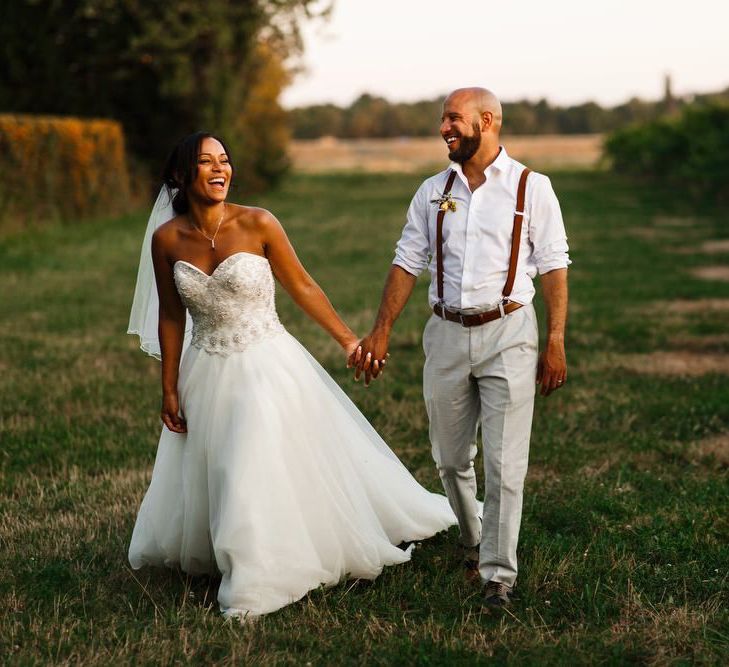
280, 484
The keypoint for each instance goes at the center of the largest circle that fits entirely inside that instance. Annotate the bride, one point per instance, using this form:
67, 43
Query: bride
265, 471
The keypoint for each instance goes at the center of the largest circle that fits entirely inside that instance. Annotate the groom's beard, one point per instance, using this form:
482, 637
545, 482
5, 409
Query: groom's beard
468, 146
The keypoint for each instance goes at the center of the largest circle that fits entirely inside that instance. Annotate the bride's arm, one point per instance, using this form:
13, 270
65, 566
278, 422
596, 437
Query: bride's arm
171, 333
299, 284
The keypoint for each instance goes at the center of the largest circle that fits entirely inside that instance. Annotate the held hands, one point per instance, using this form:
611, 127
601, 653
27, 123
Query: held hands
552, 367
350, 348
370, 356
170, 414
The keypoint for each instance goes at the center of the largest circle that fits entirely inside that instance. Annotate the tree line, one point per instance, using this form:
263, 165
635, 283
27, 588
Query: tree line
370, 116
162, 69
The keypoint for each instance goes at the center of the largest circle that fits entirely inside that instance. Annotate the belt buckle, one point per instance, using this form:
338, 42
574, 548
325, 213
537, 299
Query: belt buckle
460, 318
504, 301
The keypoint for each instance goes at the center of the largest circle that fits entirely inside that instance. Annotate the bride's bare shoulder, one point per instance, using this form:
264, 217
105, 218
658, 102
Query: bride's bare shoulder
168, 233
252, 218
250, 215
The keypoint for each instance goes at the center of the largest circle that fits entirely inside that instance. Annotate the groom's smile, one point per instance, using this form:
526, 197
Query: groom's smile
462, 148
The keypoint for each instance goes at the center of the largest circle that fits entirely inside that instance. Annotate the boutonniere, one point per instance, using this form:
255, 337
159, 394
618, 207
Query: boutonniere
445, 202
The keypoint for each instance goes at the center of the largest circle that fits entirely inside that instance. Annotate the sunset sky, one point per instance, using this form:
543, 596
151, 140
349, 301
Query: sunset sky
564, 50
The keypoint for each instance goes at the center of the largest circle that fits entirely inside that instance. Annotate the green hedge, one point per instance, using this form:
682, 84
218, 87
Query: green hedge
60, 168
689, 152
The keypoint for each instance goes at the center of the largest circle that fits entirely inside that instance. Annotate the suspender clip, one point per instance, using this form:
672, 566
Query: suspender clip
505, 300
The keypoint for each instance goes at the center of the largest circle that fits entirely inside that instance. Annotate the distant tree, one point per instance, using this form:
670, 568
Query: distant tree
634, 111
162, 69
369, 116
419, 119
583, 119
689, 152
317, 121
521, 118
721, 97
260, 125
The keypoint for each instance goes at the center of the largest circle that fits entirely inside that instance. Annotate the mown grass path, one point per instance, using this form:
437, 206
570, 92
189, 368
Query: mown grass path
625, 539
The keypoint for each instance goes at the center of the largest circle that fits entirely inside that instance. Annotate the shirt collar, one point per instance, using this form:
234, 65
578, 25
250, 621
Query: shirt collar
502, 160
500, 163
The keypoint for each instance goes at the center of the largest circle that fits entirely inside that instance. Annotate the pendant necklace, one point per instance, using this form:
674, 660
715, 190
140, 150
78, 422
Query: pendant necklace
217, 229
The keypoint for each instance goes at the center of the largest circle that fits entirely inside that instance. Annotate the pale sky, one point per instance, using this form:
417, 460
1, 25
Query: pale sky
568, 51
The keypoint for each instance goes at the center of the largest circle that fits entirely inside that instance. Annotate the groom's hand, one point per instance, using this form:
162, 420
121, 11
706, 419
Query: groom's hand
371, 355
552, 367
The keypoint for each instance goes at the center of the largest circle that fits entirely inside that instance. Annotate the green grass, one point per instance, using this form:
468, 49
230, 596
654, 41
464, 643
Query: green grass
624, 552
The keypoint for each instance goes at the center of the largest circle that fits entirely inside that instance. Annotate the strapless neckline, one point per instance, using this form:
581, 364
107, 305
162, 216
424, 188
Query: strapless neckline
231, 308
221, 263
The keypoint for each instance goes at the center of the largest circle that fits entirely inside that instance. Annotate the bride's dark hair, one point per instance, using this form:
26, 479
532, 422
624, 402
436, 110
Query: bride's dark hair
181, 168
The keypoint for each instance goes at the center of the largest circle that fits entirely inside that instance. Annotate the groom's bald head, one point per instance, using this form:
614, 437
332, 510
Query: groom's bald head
478, 101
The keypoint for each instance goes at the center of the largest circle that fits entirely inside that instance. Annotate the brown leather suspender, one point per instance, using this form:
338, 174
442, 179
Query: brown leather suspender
516, 233
515, 236
439, 235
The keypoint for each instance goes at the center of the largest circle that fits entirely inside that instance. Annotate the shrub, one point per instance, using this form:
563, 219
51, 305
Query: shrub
689, 151
60, 168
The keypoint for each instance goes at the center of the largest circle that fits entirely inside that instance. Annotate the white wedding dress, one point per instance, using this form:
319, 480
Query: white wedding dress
280, 483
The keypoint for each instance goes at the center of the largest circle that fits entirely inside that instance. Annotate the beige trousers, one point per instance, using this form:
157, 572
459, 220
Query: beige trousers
485, 375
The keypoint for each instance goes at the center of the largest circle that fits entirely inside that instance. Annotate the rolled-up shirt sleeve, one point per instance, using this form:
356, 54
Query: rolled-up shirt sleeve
546, 227
412, 252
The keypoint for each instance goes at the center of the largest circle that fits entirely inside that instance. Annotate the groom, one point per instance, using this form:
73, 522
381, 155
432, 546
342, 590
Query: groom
484, 227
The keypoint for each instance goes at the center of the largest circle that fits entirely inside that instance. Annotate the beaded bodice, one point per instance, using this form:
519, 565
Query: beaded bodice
233, 307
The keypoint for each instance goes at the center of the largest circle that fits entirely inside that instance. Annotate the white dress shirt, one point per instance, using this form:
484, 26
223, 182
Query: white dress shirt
477, 236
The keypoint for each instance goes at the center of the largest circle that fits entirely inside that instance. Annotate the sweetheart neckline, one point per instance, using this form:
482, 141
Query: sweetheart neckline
223, 261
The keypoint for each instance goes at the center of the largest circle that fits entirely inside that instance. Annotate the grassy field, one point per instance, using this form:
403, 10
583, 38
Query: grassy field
416, 154
624, 552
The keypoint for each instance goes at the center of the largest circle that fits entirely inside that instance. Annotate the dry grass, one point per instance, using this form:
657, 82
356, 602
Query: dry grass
709, 343
667, 635
715, 246
76, 496
541, 473
710, 247
714, 448
598, 469
714, 273
673, 221
412, 154
691, 307
676, 364
652, 234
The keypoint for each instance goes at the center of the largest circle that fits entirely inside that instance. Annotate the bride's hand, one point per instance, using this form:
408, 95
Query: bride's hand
171, 414
350, 350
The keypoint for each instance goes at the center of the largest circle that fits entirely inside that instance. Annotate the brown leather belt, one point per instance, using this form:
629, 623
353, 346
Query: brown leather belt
475, 319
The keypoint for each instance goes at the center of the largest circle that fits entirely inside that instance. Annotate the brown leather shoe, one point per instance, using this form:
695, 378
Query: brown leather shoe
470, 563
496, 595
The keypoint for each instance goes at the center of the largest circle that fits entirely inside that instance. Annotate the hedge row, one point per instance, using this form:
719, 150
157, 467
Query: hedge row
689, 152
60, 168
